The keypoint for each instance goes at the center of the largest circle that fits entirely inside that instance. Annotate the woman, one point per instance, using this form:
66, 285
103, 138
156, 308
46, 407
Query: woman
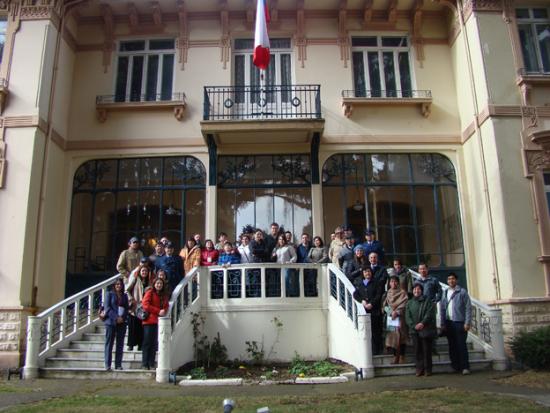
138, 282
155, 303
420, 317
286, 254
336, 245
318, 253
394, 306
405, 277
354, 268
116, 313
191, 256
244, 250
369, 293
258, 247
209, 254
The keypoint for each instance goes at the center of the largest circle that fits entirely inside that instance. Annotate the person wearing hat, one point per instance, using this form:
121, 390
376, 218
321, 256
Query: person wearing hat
172, 264
129, 259
420, 317
345, 256
371, 244
360, 261
336, 245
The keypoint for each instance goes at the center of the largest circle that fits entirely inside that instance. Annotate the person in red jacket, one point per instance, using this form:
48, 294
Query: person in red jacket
155, 303
209, 254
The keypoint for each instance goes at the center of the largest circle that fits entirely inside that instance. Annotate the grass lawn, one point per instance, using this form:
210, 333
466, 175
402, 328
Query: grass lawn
534, 379
433, 400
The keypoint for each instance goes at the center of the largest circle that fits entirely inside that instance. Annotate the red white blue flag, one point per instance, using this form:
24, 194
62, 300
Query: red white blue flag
261, 39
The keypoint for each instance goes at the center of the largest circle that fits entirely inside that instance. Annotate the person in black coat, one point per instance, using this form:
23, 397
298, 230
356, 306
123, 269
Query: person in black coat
258, 248
172, 264
116, 314
369, 293
379, 272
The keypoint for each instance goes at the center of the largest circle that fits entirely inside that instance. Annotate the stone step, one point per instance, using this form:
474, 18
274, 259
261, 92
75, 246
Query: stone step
96, 373
93, 337
95, 354
438, 367
386, 360
84, 363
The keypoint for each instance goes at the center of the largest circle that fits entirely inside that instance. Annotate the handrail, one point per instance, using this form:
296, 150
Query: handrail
485, 329
54, 326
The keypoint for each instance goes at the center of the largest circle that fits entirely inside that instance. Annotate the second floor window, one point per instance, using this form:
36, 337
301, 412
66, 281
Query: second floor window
381, 66
534, 35
145, 70
3, 27
546, 177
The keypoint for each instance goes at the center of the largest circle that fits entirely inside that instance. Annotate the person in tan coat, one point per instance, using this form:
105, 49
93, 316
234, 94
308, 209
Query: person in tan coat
191, 255
129, 259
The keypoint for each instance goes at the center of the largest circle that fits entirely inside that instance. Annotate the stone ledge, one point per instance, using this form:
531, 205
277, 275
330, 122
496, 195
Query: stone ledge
321, 380
212, 382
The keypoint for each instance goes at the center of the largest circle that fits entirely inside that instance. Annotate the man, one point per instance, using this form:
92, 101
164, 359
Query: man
222, 239
371, 244
172, 264
456, 316
369, 293
198, 239
271, 238
345, 256
405, 277
129, 259
379, 272
159, 252
431, 286
303, 249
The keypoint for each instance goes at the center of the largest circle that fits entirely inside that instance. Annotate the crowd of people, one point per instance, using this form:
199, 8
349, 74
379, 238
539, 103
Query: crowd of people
402, 309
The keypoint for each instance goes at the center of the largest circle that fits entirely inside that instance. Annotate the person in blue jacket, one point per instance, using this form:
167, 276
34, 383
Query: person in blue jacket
172, 265
371, 244
116, 314
229, 255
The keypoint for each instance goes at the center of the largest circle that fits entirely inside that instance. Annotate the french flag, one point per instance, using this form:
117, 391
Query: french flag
261, 39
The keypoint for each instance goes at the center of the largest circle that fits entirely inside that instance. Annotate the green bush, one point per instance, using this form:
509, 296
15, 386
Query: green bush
533, 349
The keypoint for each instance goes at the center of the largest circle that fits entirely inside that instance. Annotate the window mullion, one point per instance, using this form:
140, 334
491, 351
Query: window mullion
367, 72
398, 86
129, 78
381, 73
160, 71
144, 73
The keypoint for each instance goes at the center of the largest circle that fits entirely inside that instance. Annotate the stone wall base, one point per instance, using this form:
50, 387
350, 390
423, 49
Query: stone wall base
523, 315
13, 328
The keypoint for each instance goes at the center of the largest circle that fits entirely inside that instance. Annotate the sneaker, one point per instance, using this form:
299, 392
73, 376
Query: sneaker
118, 368
465, 372
107, 368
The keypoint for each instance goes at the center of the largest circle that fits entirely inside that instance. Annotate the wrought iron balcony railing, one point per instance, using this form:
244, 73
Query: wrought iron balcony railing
387, 94
255, 103
539, 72
136, 97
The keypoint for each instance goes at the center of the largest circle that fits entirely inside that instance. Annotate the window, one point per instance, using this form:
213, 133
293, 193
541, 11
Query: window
534, 34
411, 201
546, 178
145, 70
279, 71
116, 199
257, 190
381, 66
3, 27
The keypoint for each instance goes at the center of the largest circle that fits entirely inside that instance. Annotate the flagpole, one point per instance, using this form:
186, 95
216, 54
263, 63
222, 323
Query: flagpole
263, 93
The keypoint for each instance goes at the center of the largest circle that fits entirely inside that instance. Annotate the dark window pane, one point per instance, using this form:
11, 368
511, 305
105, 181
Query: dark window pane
286, 80
161, 44
405, 74
129, 170
449, 220
292, 282
79, 236
278, 44
389, 74
522, 13
152, 76
528, 48
121, 79
310, 283
132, 46
359, 74
364, 41
394, 41
540, 13
543, 35
388, 168
548, 201
374, 74
234, 283
244, 44
137, 75
216, 285
272, 282
151, 172
167, 76
546, 177
194, 212
253, 283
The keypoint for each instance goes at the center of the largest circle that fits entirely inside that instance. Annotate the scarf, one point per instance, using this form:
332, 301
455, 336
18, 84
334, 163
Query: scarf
397, 299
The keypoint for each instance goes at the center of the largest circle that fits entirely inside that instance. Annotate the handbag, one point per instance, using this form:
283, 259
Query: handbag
102, 314
141, 313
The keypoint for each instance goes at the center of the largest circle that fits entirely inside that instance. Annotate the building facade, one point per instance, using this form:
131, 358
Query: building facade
428, 122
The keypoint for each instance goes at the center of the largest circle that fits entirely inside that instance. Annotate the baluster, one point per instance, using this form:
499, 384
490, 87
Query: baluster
49, 334
62, 323
263, 282
243, 282
90, 308
225, 283
302, 281
76, 315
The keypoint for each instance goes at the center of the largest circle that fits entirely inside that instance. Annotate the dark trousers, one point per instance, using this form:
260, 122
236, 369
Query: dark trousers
423, 353
376, 324
135, 331
149, 346
458, 351
113, 333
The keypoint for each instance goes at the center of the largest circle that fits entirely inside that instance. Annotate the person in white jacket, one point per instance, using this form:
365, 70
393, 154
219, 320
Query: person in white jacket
286, 254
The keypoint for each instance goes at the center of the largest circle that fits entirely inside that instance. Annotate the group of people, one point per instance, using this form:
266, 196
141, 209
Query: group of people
393, 298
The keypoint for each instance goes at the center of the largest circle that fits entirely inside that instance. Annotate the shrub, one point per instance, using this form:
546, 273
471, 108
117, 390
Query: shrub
298, 366
533, 349
325, 368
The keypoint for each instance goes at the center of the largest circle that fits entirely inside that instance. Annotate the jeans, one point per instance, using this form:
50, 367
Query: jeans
149, 347
113, 333
458, 351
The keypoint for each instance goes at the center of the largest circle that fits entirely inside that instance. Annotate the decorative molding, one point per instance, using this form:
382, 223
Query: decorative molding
367, 13
150, 24
348, 104
468, 132
522, 300
120, 144
109, 30
343, 38
69, 39
4, 92
428, 139
274, 14
40, 12
481, 6
182, 43
301, 41
539, 160
225, 41
178, 107
392, 12
250, 13
526, 82
417, 40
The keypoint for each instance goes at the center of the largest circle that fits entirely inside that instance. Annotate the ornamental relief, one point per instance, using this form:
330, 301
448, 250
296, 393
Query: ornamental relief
471, 6
537, 160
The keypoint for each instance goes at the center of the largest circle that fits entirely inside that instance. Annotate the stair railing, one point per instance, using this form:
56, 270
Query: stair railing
175, 327
485, 330
64, 321
352, 345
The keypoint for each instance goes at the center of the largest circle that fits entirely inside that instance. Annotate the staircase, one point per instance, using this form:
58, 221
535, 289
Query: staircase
83, 359
441, 361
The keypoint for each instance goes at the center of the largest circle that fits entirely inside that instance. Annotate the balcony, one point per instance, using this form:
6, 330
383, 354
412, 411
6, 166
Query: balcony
284, 114
526, 80
420, 98
145, 102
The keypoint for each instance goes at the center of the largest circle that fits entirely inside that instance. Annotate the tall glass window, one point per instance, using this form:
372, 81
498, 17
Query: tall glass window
116, 199
534, 34
410, 200
145, 70
257, 190
381, 66
3, 28
546, 177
